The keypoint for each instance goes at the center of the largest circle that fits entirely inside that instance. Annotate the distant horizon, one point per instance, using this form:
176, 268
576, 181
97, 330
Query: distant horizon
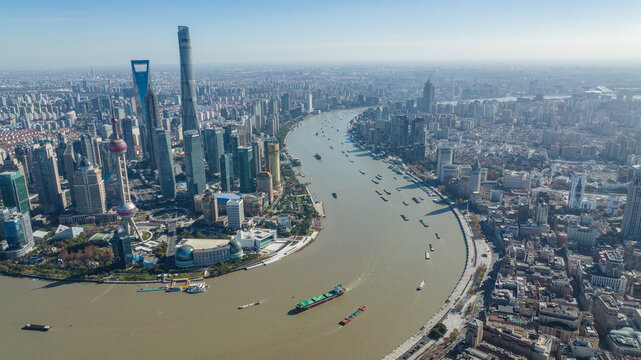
74, 34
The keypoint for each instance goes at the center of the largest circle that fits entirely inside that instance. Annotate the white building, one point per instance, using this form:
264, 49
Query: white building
577, 191
256, 239
614, 204
235, 213
516, 180
444, 156
584, 236
201, 252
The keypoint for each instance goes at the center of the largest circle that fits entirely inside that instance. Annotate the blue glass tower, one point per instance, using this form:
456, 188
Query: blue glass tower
214, 148
165, 164
226, 172
140, 71
194, 163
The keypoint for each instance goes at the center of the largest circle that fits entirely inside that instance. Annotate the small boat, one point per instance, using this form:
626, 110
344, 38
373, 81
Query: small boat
37, 327
398, 189
437, 236
318, 157
431, 247
387, 192
331, 147
197, 288
152, 289
361, 171
404, 217
427, 255
405, 203
379, 193
346, 320
420, 285
375, 182
416, 200
384, 199
334, 195
248, 305
423, 223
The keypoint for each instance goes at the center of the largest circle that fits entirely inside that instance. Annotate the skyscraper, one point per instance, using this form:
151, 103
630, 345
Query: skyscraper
632, 212
50, 195
245, 167
264, 184
428, 98
187, 82
235, 213
444, 156
17, 229
14, 191
577, 190
140, 71
153, 119
210, 207
273, 162
128, 125
226, 173
214, 148
258, 149
165, 163
89, 188
194, 163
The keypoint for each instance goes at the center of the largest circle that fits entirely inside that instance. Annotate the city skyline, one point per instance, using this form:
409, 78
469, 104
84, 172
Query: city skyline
292, 32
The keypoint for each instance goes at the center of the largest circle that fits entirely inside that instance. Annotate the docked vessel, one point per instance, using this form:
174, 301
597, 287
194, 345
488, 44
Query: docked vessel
337, 291
423, 223
248, 305
427, 255
197, 288
347, 320
173, 289
152, 289
404, 217
37, 327
318, 157
334, 195
420, 285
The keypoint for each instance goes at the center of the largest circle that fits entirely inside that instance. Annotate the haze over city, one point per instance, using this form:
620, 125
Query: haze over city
70, 34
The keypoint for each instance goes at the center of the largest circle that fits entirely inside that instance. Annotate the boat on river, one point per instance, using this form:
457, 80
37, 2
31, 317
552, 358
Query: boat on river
404, 217
334, 195
387, 192
384, 199
361, 171
337, 291
318, 157
420, 285
427, 255
378, 192
347, 319
415, 200
431, 247
248, 305
438, 236
375, 182
423, 223
162, 288
197, 288
405, 203
37, 327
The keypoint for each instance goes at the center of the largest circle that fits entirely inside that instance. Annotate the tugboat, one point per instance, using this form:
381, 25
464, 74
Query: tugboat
334, 195
346, 320
318, 157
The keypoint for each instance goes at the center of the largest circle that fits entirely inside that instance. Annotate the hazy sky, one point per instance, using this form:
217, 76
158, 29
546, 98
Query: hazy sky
69, 34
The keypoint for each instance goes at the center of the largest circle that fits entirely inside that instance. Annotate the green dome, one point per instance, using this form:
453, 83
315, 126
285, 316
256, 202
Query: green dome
185, 253
235, 250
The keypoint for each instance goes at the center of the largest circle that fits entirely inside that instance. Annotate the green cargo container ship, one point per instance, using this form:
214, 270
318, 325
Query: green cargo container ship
320, 299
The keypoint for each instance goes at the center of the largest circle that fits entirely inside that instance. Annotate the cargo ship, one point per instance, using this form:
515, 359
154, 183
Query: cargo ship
420, 285
152, 289
423, 223
320, 299
346, 320
37, 327
318, 157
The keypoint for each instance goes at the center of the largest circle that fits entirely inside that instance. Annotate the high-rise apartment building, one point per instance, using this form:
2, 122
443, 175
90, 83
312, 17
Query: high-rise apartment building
50, 195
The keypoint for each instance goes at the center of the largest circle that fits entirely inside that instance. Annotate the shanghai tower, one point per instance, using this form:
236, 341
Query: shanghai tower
187, 82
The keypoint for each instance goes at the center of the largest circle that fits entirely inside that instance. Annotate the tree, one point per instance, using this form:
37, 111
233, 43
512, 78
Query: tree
438, 331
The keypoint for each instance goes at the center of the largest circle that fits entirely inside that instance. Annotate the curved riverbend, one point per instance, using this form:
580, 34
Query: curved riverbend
364, 244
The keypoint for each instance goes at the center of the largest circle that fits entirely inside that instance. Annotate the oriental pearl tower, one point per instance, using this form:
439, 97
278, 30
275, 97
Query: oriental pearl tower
126, 210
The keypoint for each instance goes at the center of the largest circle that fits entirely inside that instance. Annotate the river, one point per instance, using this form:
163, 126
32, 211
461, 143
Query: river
365, 245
